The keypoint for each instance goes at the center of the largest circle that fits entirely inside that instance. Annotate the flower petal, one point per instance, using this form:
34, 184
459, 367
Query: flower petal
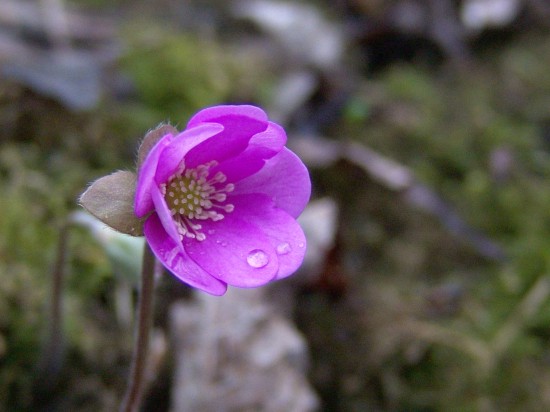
239, 129
177, 261
262, 146
165, 216
234, 251
173, 155
272, 139
143, 202
283, 231
213, 113
284, 178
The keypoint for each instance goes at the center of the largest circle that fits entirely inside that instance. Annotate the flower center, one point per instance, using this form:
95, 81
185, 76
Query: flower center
193, 195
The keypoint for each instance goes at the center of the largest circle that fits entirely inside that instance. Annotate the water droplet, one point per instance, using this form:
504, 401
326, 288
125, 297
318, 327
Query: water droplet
257, 258
211, 231
283, 249
224, 244
301, 244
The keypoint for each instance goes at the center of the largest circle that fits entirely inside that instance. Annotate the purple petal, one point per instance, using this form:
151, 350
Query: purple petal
238, 131
262, 146
284, 233
143, 202
173, 155
284, 178
165, 216
177, 261
239, 167
213, 113
272, 139
234, 251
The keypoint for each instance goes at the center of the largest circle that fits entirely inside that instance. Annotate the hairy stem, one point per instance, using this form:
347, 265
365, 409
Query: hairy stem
134, 391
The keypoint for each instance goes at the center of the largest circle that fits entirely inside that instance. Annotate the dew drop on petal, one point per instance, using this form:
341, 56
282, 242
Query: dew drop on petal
257, 258
283, 249
301, 244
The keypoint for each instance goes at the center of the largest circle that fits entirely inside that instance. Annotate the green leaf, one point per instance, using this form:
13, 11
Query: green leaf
151, 139
111, 200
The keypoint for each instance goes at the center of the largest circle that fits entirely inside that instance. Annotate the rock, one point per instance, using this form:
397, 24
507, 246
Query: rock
237, 354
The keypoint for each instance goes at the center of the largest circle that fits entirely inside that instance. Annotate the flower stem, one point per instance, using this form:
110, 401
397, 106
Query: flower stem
51, 359
134, 391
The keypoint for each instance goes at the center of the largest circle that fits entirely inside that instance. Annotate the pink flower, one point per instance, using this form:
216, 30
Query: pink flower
222, 198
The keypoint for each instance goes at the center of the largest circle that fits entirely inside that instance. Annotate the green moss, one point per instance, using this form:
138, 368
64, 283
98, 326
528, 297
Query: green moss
178, 74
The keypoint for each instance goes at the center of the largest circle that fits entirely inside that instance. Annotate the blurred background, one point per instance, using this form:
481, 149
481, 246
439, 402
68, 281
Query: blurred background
426, 128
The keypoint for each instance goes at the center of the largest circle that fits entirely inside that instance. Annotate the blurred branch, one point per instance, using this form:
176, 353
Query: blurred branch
318, 151
51, 359
385, 171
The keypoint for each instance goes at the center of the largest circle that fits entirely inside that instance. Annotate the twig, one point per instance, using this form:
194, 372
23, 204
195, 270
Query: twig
49, 365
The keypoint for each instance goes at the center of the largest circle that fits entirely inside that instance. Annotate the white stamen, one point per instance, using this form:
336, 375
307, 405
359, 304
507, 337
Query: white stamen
195, 196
